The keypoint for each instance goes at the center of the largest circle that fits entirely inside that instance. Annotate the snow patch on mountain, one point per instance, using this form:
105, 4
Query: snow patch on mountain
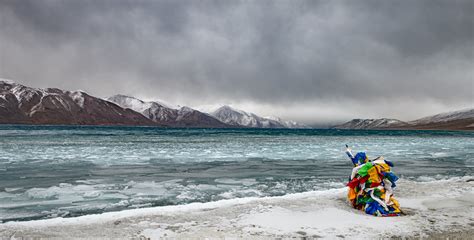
130, 102
446, 117
371, 124
287, 123
185, 109
7, 81
236, 117
151, 110
26, 93
77, 97
166, 104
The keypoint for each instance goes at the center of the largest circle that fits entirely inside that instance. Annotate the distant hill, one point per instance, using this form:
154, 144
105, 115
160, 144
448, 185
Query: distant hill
457, 120
371, 124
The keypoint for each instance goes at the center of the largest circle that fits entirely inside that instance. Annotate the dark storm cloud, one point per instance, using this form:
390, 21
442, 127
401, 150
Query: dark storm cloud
371, 54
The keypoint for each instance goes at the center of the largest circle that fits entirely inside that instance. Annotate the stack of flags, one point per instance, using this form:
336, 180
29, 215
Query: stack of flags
371, 185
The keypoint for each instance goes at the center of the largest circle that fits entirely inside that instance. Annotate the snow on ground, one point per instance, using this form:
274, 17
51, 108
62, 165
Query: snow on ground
433, 206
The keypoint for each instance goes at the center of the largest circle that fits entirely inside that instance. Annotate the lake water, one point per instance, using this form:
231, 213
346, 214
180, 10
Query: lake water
61, 171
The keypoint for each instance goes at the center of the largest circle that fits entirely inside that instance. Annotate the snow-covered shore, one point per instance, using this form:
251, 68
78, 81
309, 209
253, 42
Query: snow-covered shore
432, 207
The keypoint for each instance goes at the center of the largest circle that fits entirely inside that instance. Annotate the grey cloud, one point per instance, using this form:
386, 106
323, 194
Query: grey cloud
369, 53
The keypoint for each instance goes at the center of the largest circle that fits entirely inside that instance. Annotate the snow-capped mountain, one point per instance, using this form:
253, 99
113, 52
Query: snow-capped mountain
288, 123
241, 118
22, 104
371, 124
158, 112
462, 119
446, 117
152, 110
457, 120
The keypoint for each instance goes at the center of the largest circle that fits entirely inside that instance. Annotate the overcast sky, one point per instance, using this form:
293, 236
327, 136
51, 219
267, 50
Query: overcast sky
311, 61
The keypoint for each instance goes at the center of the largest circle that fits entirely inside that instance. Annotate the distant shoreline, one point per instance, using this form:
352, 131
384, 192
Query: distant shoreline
248, 128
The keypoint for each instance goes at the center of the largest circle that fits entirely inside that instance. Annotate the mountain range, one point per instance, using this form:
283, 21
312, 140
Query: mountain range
166, 115
20, 104
456, 120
